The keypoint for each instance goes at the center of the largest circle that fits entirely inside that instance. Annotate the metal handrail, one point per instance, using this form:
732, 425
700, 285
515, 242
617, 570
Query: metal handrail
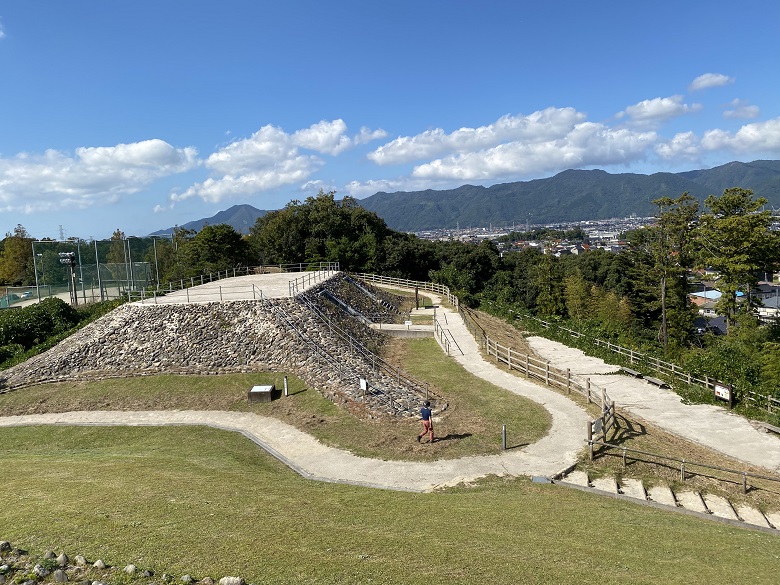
402, 377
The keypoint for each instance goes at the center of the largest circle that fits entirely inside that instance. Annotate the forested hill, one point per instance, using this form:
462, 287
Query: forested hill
568, 196
239, 217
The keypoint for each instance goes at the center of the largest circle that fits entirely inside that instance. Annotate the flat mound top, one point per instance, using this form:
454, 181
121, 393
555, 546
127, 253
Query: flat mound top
249, 287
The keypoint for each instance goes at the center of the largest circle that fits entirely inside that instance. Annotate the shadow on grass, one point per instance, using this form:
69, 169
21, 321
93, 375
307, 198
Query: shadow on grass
626, 430
278, 393
453, 437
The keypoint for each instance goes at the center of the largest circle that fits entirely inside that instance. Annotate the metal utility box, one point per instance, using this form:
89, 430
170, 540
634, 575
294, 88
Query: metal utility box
261, 393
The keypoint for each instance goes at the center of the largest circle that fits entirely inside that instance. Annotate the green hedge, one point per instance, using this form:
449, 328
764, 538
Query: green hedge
33, 329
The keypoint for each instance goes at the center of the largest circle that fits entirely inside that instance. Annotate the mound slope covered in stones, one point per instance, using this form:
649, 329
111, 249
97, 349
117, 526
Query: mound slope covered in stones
216, 338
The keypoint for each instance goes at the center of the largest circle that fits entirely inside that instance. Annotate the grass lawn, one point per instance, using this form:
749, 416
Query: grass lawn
210, 503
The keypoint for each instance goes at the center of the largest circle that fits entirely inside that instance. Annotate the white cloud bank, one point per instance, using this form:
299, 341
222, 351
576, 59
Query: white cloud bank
272, 158
55, 180
552, 140
654, 112
540, 126
709, 80
741, 109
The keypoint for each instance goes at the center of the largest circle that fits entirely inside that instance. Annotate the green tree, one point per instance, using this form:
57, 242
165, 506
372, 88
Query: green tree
16, 259
735, 239
320, 229
668, 244
116, 249
577, 296
547, 280
214, 248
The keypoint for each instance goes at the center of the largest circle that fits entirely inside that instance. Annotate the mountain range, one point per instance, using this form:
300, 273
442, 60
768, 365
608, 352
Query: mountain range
572, 195
240, 217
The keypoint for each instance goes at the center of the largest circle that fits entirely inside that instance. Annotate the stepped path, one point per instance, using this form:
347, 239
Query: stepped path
553, 454
712, 426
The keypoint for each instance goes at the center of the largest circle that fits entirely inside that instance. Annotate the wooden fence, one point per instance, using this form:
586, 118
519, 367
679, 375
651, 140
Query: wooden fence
687, 467
541, 370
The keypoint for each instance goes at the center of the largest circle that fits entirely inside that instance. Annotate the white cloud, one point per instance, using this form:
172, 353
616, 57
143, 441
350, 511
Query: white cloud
710, 80
360, 189
741, 109
271, 158
587, 144
2, 31
537, 127
684, 145
285, 172
655, 111
54, 180
758, 137
367, 135
325, 137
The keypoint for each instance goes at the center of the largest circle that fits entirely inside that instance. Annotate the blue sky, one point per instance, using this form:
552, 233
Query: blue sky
146, 114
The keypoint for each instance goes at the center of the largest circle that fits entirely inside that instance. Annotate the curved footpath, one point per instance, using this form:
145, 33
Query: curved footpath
711, 426
553, 454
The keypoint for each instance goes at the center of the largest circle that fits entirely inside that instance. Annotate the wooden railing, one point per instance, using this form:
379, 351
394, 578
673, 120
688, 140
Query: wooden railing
685, 466
537, 369
636, 358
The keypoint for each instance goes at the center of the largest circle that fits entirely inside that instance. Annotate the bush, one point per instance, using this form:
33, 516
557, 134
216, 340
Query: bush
31, 325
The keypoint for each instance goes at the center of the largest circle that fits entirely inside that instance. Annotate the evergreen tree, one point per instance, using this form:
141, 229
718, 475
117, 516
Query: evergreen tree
734, 238
16, 259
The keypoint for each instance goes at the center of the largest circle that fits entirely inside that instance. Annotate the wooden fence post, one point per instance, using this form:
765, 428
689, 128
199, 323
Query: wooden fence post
568, 381
547, 373
589, 437
587, 389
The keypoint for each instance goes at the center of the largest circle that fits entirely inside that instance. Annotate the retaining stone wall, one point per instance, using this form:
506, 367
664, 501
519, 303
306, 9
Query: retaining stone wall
215, 338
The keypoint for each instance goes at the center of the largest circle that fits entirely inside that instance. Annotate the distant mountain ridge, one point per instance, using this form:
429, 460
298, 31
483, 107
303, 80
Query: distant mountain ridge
572, 195
240, 217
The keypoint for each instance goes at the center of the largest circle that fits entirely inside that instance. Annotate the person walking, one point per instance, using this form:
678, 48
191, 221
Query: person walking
427, 422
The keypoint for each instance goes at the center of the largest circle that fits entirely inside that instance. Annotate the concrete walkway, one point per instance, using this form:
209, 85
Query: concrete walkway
239, 288
553, 454
711, 426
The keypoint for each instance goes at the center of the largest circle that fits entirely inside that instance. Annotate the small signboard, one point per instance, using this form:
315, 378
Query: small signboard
363, 384
408, 323
724, 392
260, 393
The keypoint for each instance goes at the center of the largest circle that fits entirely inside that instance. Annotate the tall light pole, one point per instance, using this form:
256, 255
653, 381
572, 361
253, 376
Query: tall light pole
43, 270
35, 269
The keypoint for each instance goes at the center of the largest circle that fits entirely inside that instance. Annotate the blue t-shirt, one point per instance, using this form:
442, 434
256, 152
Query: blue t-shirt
425, 413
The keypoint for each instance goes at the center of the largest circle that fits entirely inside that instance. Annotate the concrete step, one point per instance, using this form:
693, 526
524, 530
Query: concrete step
720, 507
578, 478
688, 499
605, 484
633, 488
691, 500
662, 494
750, 515
774, 519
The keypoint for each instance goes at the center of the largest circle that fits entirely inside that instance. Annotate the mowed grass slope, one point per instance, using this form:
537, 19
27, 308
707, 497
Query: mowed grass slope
210, 503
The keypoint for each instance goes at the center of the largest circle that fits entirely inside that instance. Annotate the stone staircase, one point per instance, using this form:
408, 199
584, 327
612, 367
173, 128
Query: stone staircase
685, 499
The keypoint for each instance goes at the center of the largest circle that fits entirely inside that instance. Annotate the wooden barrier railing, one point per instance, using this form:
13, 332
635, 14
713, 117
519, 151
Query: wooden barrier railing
685, 466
